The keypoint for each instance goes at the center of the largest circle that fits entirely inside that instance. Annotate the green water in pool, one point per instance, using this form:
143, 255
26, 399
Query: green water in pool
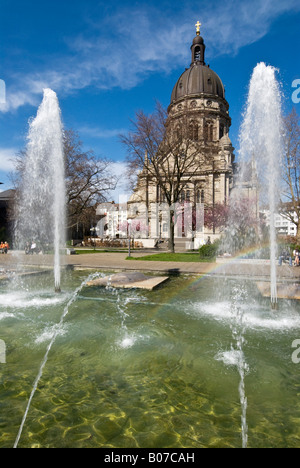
142, 369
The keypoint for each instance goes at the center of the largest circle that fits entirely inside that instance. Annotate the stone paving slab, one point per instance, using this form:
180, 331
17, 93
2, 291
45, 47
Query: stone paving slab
127, 280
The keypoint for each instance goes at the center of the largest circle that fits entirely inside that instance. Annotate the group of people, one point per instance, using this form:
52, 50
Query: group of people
31, 248
4, 247
293, 260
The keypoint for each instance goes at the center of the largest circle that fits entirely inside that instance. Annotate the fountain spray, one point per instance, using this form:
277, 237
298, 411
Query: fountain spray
41, 206
51, 343
261, 138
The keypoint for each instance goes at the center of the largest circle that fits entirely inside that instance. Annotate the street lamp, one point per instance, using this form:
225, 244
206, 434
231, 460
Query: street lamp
93, 229
129, 232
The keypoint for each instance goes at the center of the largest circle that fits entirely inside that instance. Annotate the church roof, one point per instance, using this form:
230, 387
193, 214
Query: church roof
7, 195
196, 80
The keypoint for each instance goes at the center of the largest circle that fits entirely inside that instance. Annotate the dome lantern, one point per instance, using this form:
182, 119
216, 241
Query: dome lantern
198, 47
199, 79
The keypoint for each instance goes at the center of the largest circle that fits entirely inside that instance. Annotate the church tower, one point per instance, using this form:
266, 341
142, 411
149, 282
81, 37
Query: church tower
199, 97
199, 106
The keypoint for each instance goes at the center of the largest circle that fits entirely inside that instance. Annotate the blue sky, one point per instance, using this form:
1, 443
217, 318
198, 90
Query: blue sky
108, 59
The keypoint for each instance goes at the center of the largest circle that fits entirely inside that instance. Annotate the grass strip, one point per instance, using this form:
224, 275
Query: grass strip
174, 257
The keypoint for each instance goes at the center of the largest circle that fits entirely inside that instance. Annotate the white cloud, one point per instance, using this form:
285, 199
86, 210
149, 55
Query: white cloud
6, 159
241, 23
98, 132
146, 41
119, 168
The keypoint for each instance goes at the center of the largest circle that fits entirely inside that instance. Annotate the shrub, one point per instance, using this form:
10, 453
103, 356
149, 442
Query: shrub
209, 251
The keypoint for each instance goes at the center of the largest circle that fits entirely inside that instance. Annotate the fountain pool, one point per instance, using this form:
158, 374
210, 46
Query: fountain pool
147, 369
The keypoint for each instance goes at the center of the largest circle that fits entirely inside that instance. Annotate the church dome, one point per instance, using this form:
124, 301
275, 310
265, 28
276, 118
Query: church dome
225, 141
199, 78
198, 40
196, 80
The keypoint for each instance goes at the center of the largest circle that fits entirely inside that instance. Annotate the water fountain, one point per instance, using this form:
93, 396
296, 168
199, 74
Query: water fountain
132, 368
261, 141
41, 201
114, 368
49, 347
261, 148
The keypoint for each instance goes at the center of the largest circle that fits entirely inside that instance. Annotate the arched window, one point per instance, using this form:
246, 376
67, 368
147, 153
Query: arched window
178, 133
197, 54
200, 196
221, 131
209, 131
193, 131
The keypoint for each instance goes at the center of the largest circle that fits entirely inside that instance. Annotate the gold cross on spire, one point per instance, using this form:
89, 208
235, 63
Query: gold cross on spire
198, 24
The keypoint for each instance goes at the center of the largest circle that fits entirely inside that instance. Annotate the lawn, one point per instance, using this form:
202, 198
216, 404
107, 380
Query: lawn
173, 257
159, 257
95, 251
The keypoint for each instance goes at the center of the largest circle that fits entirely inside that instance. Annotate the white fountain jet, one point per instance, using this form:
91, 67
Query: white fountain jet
41, 207
261, 139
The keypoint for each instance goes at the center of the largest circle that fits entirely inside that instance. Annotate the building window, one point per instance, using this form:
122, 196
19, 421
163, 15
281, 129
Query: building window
200, 196
178, 133
193, 131
209, 131
221, 131
197, 54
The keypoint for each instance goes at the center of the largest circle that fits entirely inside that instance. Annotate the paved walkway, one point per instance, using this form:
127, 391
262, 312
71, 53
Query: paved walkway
116, 261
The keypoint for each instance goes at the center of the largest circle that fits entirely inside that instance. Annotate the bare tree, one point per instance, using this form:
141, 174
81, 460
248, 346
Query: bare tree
291, 170
167, 153
88, 179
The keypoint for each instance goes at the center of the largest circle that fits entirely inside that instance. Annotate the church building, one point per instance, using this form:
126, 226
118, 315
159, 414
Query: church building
198, 99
